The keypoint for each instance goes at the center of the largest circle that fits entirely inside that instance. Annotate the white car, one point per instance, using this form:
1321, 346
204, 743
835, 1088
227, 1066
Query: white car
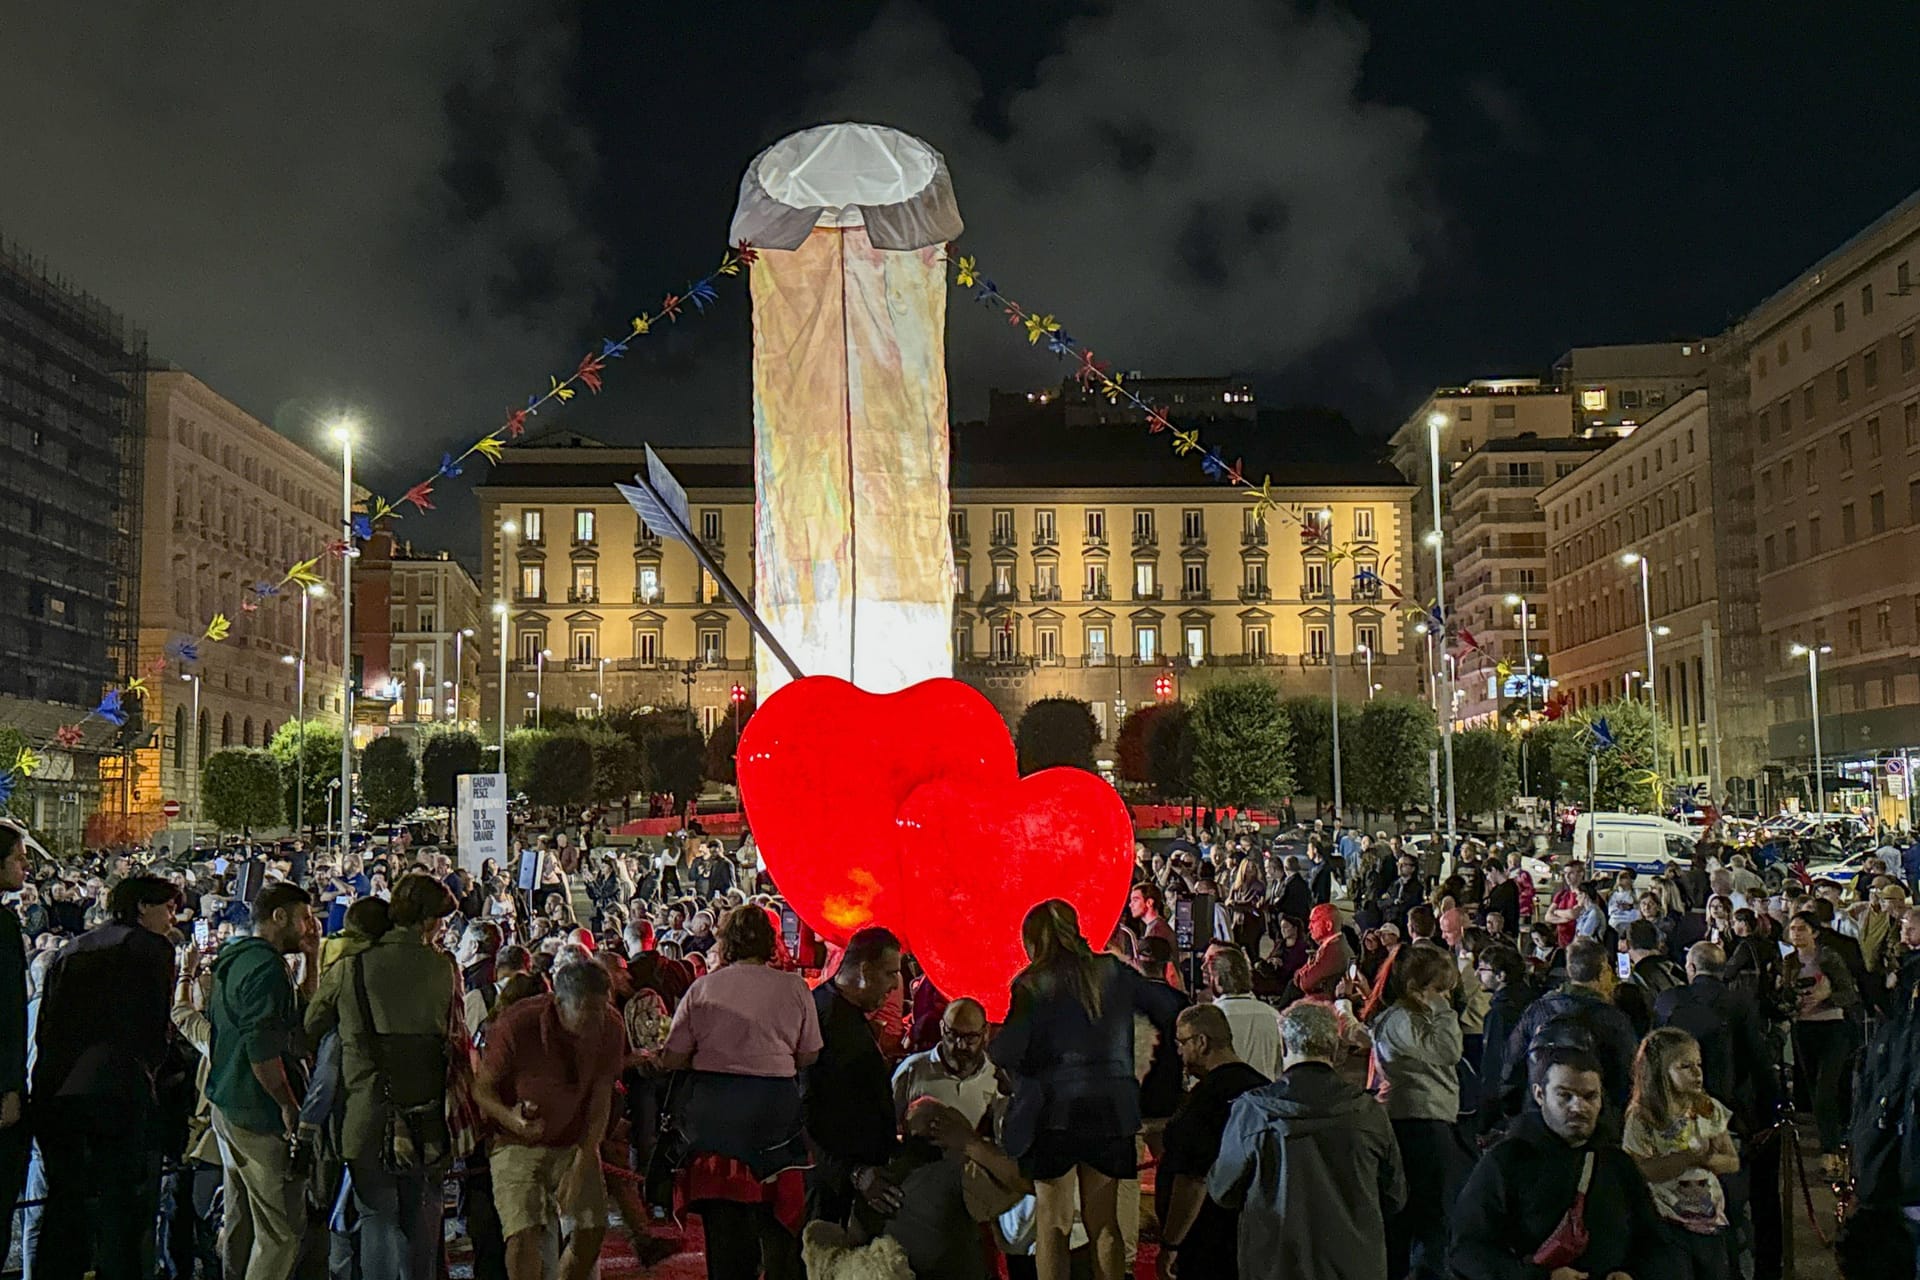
1844, 871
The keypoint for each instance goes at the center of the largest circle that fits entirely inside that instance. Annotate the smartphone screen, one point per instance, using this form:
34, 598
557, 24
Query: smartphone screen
200, 933
1624, 965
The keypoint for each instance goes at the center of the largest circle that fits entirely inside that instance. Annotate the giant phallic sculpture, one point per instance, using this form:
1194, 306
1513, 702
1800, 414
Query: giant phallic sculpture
852, 565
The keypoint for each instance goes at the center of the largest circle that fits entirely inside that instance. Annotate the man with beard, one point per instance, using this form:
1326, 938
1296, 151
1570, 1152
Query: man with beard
1516, 1214
955, 1071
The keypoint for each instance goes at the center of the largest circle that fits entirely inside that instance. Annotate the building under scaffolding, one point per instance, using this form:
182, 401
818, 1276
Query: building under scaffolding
72, 387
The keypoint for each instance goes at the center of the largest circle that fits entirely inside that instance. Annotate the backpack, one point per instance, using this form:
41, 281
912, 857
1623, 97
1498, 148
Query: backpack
1566, 1028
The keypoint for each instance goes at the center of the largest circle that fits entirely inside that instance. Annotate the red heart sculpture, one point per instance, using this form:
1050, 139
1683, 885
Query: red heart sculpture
823, 768
978, 856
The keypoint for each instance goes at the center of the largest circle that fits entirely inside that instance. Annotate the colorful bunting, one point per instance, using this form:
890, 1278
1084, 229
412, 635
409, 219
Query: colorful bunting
217, 628
110, 709
26, 764
67, 736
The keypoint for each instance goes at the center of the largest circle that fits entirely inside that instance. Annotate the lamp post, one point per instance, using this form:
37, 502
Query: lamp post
1366, 651
500, 612
1812, 654
1632, 558
344, 433
1626, 683
1526, 663
539, 687
194, 781
1435, 421
1333, 658
737, 696
460, 638
602, 696
312, 593
420, 688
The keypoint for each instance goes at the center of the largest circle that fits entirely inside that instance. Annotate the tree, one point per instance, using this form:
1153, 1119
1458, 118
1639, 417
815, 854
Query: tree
1625, 770
560, 776
389, 779
1056, 731
319, 761
1241, 744
443, 759
12, 743
677, 765
616, 765
240, 790
522, 744
1310, 719
1387, 761
1170, 752
1483, 779
723, 744
1541, 744
1130, 746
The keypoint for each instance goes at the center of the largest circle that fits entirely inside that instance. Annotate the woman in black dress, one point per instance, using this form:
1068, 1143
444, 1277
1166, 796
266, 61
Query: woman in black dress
1074, 1118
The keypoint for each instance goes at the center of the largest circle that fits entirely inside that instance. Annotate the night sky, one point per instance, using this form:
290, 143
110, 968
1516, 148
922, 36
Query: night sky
1349, 204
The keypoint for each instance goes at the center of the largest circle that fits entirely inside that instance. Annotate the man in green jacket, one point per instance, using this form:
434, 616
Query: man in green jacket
255, 1081
409, 988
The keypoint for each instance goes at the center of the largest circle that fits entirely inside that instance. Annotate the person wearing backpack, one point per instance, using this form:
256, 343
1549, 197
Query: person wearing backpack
394, 1005
1650, 974
1578, 1016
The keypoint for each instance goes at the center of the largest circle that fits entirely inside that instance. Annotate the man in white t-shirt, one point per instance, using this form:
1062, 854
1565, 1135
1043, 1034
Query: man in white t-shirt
956, 1070
1255, 1023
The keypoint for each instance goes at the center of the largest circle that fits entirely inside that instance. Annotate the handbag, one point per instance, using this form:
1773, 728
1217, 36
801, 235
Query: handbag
1568, 1242
415, 1136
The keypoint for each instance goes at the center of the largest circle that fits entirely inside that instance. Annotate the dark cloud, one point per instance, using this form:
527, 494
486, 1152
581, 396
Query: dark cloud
1192, 187
359, 204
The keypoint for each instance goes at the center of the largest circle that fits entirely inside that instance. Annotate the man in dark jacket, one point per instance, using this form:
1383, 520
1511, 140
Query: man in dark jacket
1319, 873
1579, 1016
1521, 1190
1502, 896
1310, 1163
1649, 973
1295, 897
1404, 894
13, 1029
848, 1091
101, 1039
1194, 1228
1503, 973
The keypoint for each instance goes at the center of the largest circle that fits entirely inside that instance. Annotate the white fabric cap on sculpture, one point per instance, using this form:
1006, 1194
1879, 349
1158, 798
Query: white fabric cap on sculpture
852, 565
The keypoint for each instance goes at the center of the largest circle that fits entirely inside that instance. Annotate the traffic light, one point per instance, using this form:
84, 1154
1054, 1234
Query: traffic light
1163, 687
739, 694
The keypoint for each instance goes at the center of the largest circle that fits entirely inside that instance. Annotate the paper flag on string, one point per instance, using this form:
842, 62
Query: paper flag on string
110, 709
217, 628
67, 735
26, 764
1602, 734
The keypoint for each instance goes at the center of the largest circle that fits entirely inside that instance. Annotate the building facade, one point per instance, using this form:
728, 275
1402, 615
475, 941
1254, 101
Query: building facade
424, 664
230, 503
1647, 503
1073, 580
1832, 395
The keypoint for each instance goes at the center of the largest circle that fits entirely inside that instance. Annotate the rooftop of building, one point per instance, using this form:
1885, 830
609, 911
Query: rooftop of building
1540, 444
1811, 281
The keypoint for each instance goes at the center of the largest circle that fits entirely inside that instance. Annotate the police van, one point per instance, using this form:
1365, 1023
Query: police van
1641, 842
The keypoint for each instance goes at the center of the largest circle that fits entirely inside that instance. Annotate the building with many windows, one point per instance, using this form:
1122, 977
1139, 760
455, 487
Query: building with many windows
1829, 386
419, 634
1649, 503
1090, 577
230, 503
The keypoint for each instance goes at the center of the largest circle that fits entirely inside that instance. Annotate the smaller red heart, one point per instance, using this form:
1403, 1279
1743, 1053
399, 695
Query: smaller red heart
824, 766
978, 856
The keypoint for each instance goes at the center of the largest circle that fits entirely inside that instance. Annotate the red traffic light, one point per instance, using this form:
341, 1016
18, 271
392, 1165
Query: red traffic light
739, 694
1163, 687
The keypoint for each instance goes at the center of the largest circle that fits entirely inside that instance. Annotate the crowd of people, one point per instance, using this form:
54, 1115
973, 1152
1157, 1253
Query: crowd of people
1329, 1054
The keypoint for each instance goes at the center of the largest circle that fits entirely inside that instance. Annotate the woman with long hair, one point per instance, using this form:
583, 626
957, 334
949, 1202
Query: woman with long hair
1417, 1047
1074, 1119
1678, 1134
1825, 1003
1244, 902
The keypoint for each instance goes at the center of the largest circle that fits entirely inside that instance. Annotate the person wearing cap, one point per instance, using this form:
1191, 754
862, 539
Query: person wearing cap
1880, 940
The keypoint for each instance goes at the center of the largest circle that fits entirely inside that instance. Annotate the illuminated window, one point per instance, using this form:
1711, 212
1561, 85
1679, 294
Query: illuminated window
1594, 401
583, 525
646, 645
533, 582
1146, 643
532, 525
584, 644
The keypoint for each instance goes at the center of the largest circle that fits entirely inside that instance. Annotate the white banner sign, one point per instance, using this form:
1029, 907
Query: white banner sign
481, 825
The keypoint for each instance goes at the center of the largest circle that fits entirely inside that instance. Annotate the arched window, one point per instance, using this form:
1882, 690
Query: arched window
246, 732
206, 735
266, 733
179, 737
226, 730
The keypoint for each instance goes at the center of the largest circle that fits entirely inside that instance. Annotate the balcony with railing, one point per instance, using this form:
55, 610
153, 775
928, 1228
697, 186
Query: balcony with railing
583, 595
1255, 593
1043, 594
1311, 659
1254, 537
1003, 539
1466, 486
1145, 540
1000, 595
1311, 590
1193, 538
1366, 589
523, 596
1099, 591
1252, 660
646, 541
1146, 593
1094, 541
1195, 593
958, 532
655, 596
1046, 540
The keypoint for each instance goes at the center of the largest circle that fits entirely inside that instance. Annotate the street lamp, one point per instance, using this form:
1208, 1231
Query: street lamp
1526, 653
602, 697
313, 592
1333, 658
539, 686
343, 432
1366, 651
1626, 683
1632, 558
194, 780
738, 697
1435, 421
420, 685
1812, 654
460, 639
500, 612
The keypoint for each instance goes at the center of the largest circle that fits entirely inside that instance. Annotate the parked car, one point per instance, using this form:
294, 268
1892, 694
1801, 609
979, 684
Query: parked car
1643, 842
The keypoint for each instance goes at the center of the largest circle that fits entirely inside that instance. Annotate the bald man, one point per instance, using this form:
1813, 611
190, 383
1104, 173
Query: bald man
955, 1071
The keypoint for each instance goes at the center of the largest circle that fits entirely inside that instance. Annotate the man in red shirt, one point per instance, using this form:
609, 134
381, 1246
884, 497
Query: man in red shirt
547, 1081
1564, 913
